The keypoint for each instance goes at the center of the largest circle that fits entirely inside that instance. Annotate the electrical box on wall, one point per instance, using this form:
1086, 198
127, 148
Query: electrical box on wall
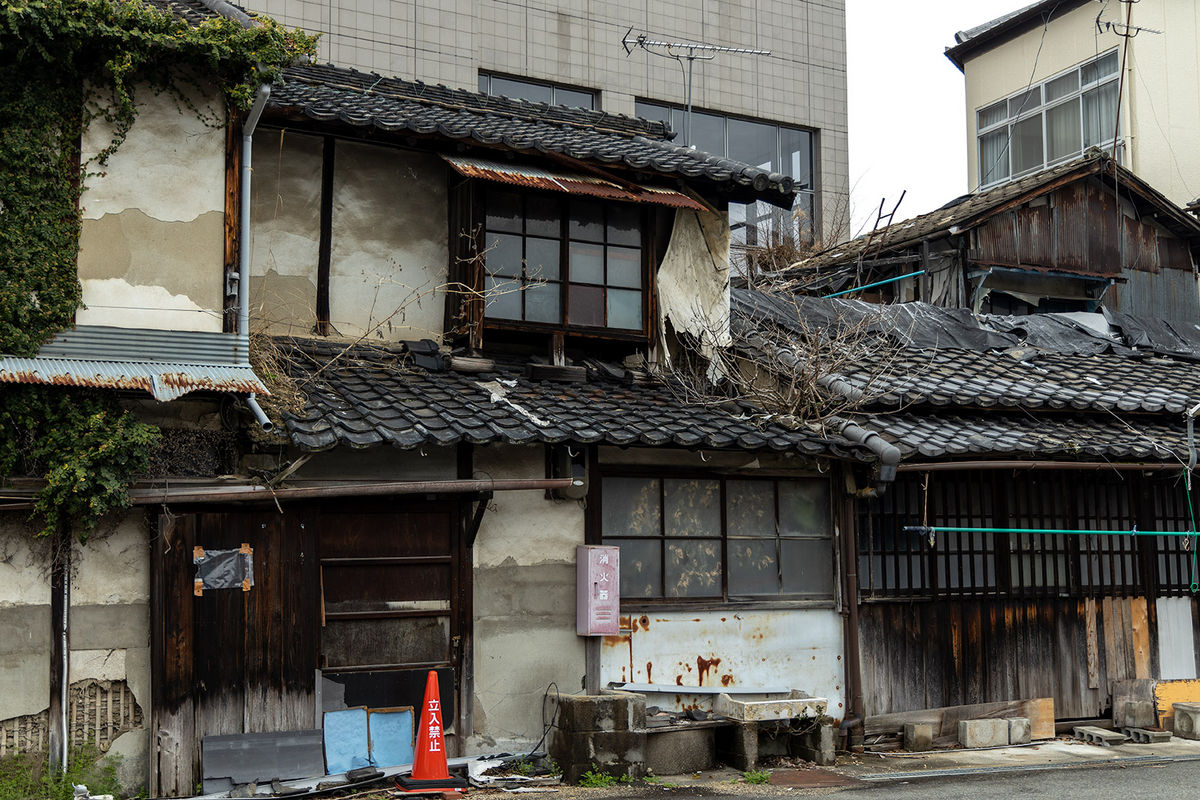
598, 586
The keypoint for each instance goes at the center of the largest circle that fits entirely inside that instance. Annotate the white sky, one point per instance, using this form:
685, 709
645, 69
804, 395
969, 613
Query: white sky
907, 108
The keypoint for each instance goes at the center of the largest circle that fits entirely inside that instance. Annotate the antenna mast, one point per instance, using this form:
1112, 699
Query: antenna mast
675, 50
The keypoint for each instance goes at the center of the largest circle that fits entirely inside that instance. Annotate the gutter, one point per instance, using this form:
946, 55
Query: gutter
243, 275
889, 455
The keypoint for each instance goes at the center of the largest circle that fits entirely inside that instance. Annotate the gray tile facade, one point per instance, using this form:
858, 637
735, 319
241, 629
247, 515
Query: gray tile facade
578, 43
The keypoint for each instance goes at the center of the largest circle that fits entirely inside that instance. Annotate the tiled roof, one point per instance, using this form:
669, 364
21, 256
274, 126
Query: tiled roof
947, 358
194, 12
1042, 11
370, 396
939, 434
332, 94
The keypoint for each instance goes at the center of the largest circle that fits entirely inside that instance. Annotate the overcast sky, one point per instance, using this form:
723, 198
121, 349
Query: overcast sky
907, 112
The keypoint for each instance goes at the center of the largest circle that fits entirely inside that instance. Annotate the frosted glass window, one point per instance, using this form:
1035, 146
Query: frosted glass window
1063, 132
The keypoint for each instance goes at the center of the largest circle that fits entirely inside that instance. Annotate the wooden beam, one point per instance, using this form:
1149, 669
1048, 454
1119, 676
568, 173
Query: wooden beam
1039, 712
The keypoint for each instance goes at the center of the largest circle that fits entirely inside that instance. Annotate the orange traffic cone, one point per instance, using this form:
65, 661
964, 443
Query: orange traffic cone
430, 773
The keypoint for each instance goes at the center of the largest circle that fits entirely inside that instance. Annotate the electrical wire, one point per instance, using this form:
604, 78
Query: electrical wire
546, 726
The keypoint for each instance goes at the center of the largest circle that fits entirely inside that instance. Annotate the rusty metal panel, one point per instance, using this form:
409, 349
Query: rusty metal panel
1141, 246
163, 381
797, 648
1104, 232
1173, 253
532, 177
1035, 236
1171, 295
996, 240
1071, 227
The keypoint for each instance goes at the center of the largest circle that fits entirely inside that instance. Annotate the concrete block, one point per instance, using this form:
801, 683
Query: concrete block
617, 753
1140, 714
1187, 720
618, 711
1019, 730
796, 705
818, 744
1144, 736
974, 733
1099, 736
674, 752
918, 737
737, 745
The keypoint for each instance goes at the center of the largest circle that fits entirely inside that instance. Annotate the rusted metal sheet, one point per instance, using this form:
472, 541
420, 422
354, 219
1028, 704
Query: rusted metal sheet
798, 648
532, 177
1141, 245
1104, 231
996, 240
1035, 236
1173, 253
163, 381
1170, 294
1071, 227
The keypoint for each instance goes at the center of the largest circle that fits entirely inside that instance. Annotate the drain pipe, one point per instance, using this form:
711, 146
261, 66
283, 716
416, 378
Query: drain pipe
1191, 428
64, 688
889, 455
243, 276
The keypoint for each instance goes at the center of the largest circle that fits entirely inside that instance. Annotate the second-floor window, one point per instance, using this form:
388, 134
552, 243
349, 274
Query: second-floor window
559, 261
1050, 122
536, 91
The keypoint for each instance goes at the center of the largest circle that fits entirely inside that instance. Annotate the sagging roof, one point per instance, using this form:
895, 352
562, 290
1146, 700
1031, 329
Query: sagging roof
1014, 22
968, 211
366, 396
1090, 384
390, 105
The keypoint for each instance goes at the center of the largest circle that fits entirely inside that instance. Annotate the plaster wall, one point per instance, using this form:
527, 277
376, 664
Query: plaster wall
1160, 119
390, 253
152, 242
109, 624
285, 231
524, 603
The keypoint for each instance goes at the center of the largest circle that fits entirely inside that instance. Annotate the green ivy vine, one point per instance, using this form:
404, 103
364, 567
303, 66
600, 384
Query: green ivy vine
65, 64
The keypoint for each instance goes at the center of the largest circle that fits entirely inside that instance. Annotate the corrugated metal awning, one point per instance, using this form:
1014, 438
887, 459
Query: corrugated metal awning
163, 381
570, 182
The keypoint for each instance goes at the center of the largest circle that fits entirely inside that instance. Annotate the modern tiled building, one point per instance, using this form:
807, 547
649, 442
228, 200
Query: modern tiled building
785, 111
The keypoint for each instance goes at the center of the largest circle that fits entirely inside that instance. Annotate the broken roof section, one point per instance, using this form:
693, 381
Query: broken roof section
363, 101
1052, 384
1015, 22
366, 396
970, 211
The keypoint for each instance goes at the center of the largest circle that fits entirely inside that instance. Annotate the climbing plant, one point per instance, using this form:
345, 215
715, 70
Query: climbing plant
64, 66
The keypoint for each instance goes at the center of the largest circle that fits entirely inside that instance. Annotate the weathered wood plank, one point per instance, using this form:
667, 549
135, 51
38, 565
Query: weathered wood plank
1110, 643
1040, 713
1140, 629
1093, 650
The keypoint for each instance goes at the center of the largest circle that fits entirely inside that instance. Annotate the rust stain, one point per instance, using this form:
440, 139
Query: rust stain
703, 665
617, 641
649, 666
644, 621
726, 680
679, 680
625, 622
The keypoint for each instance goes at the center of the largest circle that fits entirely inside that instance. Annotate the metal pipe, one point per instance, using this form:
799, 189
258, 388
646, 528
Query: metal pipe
889, 454
876, 283
145, 497
263, 420
1074, 532
854, 699
1089, 466
64, 686
243, 276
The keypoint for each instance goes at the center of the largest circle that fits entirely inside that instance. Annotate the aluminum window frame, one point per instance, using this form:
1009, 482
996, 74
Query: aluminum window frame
485, 85
1010, 121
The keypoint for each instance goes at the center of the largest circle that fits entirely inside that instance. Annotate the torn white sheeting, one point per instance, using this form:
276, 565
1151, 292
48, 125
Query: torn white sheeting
693, 281
498, 392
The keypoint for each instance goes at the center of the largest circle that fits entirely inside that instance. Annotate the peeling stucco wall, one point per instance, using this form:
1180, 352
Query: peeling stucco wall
389, 251
285, 231
693, 280
524, 603
152, 245
109, 627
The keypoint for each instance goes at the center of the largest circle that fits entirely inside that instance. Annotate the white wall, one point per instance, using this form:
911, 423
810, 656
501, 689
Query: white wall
152, 247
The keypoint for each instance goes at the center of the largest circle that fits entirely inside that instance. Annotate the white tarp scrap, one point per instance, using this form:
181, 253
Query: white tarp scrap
693, 281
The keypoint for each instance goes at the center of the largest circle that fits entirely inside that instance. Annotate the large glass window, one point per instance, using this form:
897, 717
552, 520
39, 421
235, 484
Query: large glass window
536, 91
1049, 123
563, 260
775, 148
720, 538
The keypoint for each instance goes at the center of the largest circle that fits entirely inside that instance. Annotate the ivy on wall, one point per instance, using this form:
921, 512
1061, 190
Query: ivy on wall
65, 64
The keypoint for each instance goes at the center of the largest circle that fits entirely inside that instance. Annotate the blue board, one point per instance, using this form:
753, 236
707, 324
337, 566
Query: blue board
347, 742
391, 736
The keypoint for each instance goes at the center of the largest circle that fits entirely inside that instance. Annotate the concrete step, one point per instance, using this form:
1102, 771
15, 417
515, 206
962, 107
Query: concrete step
1144, 736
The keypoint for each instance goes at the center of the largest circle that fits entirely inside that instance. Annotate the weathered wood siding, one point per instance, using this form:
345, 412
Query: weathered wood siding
919, 655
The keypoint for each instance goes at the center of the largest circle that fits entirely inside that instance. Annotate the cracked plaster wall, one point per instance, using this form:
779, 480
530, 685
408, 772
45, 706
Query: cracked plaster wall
524, 602
152, 246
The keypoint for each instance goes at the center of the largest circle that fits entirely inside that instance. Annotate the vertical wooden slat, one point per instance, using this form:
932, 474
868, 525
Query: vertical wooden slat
1093, 650
1140, 637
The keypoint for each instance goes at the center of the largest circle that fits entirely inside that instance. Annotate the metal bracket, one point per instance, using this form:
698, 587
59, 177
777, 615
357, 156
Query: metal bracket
477, 519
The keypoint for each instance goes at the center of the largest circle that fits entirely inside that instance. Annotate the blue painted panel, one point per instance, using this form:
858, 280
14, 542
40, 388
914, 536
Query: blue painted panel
347, 743
391, 737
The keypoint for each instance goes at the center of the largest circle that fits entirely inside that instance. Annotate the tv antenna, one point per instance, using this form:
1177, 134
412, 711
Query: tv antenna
681, 51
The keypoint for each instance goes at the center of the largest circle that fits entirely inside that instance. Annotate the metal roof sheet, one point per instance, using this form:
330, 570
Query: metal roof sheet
163, 381
572, 183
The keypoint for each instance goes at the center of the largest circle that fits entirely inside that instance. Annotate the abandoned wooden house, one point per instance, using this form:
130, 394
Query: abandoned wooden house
1074, 237
1029, 547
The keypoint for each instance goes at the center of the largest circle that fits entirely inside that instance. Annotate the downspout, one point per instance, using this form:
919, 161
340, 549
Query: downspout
889, 455
243, 276
852, 723
64, 687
